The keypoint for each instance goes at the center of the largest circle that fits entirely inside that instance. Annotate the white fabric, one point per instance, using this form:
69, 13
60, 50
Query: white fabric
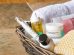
51, 11
70, 6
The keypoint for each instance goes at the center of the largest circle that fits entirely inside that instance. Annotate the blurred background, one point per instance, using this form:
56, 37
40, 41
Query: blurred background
9, 9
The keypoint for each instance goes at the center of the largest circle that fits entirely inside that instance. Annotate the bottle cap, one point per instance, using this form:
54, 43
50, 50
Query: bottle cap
40, 33
43, 39
29, 23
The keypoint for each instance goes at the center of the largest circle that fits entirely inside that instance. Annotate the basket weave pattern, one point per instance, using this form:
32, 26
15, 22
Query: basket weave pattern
30, 46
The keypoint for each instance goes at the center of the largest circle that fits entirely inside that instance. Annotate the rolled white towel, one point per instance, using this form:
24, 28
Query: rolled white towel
56, 10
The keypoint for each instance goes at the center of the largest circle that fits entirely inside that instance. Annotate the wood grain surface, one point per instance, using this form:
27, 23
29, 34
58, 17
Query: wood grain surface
12, 1
10, 43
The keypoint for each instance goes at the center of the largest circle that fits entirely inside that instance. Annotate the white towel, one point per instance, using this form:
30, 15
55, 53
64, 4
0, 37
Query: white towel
56, 10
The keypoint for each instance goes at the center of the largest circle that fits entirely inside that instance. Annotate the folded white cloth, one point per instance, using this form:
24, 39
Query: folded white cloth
56, 10
70, 6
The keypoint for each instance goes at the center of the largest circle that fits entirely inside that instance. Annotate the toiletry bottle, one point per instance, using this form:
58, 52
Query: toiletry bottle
37, 25
28, 29
46, 43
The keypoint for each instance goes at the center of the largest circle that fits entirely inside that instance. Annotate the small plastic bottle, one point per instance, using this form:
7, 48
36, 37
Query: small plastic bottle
36, 24
46, 43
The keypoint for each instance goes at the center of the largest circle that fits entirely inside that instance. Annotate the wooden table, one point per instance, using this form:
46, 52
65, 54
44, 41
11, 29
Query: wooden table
10, 43
12, 1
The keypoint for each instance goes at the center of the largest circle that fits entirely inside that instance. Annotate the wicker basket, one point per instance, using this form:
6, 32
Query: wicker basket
30, 46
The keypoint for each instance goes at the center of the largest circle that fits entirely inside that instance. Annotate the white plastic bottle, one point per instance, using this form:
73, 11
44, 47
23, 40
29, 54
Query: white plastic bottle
28, 29
46, 43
